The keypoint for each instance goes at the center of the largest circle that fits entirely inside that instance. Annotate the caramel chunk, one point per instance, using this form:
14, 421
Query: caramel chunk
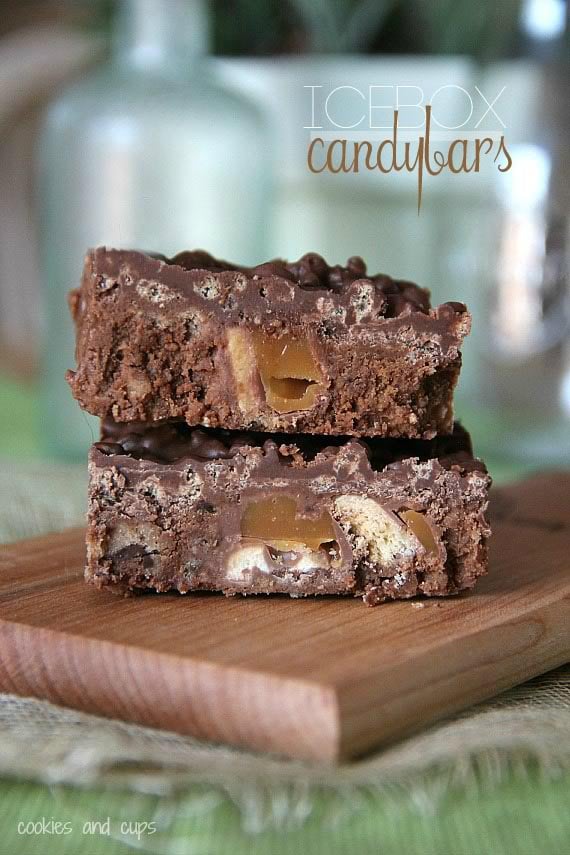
418, 524
276, 523
289, 372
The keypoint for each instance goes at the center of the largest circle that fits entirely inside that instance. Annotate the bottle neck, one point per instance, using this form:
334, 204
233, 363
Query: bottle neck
154, 34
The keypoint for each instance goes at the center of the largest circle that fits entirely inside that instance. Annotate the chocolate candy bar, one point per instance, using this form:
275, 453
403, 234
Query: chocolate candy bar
282, 347
179, 508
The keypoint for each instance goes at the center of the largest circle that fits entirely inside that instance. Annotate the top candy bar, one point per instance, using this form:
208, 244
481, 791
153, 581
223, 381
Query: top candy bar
291, 347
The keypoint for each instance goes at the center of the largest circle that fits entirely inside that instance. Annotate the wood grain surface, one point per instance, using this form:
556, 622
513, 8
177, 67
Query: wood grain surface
319, 678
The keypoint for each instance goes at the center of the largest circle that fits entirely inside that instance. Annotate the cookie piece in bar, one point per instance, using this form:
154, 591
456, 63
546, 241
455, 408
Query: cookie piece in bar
179, 508
282, 347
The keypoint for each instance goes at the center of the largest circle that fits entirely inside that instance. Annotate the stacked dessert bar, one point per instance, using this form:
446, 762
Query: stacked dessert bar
284, 428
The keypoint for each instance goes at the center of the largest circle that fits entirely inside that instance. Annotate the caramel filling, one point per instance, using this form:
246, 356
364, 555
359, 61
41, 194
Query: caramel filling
419, 526
289, 372
275, 522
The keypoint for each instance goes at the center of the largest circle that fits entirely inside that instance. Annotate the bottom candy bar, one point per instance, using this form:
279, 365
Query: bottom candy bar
178, 508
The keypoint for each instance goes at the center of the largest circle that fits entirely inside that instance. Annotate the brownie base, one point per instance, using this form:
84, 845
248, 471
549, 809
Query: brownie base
167, 509
159, 339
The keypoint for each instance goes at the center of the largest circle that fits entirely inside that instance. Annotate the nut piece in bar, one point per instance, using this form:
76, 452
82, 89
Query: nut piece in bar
179, 508
290, 347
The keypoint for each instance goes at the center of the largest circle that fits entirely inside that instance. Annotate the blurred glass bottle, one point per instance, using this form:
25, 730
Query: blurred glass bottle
148, 151
527, 355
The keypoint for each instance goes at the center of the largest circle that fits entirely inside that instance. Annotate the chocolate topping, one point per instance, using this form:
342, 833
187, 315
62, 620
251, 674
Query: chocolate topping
311, 272
170, 441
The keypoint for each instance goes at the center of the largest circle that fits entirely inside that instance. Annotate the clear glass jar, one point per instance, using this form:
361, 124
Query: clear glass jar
148, 151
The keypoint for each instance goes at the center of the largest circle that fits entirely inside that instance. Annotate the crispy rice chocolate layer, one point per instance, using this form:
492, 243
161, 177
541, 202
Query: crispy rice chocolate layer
176, 508
282, 347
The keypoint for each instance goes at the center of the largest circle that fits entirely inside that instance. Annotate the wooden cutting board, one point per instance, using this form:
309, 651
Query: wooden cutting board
323, 678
